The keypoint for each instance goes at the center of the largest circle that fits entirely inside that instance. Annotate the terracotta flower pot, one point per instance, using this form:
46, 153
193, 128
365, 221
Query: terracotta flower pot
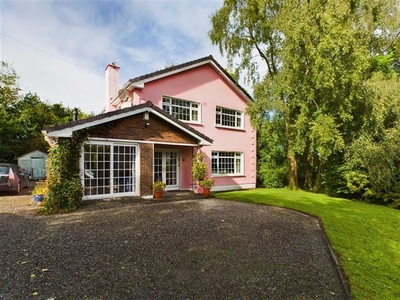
206, 192
158, 194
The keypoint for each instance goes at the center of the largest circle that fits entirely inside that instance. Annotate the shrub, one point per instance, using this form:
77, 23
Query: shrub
199, 167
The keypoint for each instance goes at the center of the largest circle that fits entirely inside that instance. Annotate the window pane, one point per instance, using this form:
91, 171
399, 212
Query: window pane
228, 117
195, 116
181, 109
99, 170
226, 163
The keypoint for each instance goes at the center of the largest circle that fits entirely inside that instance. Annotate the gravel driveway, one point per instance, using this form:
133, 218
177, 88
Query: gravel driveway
195, 249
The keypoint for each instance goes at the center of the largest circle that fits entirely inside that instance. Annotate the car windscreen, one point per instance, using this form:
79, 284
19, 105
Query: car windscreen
4, 169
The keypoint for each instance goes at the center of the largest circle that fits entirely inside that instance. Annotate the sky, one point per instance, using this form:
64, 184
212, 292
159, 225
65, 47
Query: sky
60, 48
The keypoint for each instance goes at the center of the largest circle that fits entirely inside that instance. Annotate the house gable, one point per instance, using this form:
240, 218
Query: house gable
136, 84
202, 85
133, 128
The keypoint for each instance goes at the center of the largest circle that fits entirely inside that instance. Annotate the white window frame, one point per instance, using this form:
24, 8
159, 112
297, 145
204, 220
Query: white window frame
236, 116
109, 162
193, 107
222, 158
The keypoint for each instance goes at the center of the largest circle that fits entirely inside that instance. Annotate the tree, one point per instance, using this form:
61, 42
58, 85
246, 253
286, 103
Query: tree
318, 56
9, 127
372, 162
24, 116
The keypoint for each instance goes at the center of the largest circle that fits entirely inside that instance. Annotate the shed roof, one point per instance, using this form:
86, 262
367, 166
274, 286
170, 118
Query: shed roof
34, 153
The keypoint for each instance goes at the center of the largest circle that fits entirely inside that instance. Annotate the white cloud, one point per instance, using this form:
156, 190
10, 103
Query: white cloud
61, 48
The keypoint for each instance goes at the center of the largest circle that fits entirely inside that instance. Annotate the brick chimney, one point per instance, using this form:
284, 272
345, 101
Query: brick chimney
112, 85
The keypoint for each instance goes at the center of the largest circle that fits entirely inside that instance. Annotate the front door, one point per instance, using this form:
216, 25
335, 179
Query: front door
166, 168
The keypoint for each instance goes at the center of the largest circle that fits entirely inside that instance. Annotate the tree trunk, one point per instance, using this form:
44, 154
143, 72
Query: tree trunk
317, 183
308, 180
293, 181
291, 158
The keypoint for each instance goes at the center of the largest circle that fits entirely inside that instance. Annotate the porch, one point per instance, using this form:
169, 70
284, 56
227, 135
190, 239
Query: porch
168, 196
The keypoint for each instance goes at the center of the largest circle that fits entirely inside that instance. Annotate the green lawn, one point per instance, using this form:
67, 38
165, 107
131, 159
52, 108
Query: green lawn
364, 237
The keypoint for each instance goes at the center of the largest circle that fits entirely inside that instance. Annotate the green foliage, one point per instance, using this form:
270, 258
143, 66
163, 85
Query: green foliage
207, 183
40, 188
330, 66
159, 186
24, 116
199, 167
272, 177
9, 90
364, 237
373, 170
64, 183
384, 63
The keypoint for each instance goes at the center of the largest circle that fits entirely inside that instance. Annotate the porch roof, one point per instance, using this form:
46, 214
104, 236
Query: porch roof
67, 129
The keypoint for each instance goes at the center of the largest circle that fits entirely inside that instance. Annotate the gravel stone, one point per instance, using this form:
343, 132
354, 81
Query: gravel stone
188, 249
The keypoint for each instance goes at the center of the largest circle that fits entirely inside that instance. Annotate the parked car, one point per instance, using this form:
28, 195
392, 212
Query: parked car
12, 178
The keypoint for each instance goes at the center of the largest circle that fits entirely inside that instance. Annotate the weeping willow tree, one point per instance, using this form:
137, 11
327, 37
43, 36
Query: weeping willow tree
313, 99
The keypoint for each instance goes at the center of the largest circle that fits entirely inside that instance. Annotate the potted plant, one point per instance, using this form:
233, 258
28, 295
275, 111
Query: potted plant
158, 189
39, 194
206, 184
199, 168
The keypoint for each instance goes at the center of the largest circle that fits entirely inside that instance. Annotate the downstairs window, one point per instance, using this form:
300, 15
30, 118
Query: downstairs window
226, 163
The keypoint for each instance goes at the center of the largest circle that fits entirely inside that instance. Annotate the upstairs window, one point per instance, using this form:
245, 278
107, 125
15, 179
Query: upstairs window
226, 163
182, 109
229, 118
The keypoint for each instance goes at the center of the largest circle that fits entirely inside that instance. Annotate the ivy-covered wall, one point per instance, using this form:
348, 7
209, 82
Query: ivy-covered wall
63, 181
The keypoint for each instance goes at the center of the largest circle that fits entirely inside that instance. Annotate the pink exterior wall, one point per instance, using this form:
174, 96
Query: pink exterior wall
205, 86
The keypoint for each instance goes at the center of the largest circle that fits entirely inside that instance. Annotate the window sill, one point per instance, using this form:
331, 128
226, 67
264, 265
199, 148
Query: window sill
227, 175
229, 128
191, 123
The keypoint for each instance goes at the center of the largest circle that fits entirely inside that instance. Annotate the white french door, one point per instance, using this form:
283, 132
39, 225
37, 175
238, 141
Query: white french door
166, 168
109, 169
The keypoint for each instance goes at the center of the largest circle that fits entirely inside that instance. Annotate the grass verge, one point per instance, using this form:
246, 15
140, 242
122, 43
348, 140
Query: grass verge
364, 237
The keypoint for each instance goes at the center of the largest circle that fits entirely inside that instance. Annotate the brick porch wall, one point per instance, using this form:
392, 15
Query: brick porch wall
133, 128
146, 169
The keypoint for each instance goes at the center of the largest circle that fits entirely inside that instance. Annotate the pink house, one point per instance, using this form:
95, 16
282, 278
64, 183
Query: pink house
153, 126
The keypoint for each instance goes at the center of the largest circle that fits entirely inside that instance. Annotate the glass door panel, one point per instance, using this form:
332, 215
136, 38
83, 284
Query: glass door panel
158, 166
97, 169
109, 169
171, 168
124, 169
166, 168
